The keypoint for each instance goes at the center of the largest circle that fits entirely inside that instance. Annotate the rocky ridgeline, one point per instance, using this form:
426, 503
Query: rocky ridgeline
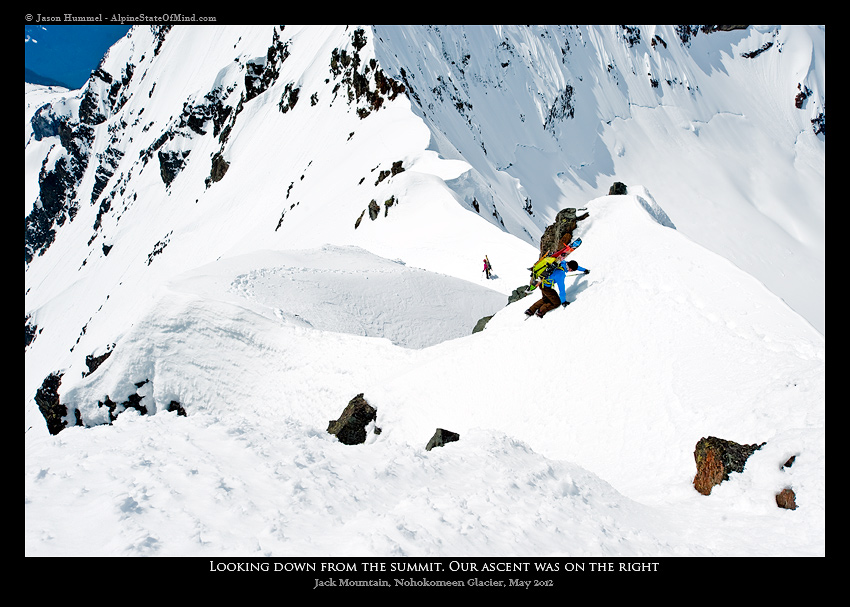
103, 97
57, 201
359, 83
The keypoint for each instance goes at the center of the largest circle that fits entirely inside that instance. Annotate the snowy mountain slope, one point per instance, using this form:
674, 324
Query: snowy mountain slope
276, 195
550, 116
184, 267
594, 458
658, 335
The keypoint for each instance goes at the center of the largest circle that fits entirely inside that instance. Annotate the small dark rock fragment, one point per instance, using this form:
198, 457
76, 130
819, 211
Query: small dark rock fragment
441, 437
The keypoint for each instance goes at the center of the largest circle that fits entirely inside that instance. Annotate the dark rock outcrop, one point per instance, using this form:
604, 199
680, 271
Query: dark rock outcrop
134, 401
45, 123
47, 399
93, 362
57, 185
55, 413
562, 109
482, 322
716, 459
350, 428
358, 78
171, 162
31, 331
441, 437
219, 167
397, 168
560, 232
374, 210
359, 219
518, 294
260, 75
618, 188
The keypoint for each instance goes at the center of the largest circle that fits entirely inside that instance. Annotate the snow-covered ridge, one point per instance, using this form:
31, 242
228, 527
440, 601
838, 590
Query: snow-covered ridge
221, 268
674, 108
664, 342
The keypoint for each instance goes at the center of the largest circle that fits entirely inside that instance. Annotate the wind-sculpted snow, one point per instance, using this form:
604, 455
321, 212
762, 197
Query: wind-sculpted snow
349, 290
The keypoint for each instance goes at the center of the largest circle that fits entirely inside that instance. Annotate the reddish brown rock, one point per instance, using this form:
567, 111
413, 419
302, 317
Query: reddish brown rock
786, 499
716, 459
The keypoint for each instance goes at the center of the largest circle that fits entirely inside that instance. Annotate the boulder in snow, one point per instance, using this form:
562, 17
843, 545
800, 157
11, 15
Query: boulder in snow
518, 293
716, 458
350, 428
785, 499
219, 167
441, 437
47, 398
618, 189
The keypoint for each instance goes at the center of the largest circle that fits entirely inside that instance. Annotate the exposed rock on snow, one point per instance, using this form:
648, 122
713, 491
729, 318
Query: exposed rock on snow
786, 499
47, 399
441, 437
560, 232
716, 459
482, 322
618, 189
350, 427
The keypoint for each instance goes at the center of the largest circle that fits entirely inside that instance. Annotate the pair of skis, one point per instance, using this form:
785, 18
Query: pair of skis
567, 249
